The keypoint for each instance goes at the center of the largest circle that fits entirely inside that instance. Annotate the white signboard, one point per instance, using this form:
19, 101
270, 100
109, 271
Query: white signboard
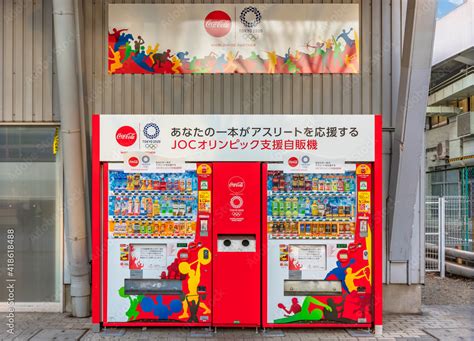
238, 137
147, 257
145, 162
307, 163
233, 38
307, 257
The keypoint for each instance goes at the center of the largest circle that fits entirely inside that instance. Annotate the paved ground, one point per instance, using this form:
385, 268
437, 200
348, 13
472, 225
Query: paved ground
452, 322
448, 312
448, 290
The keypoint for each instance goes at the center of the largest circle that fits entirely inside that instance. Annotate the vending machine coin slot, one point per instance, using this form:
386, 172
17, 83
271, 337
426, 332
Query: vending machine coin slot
203, 231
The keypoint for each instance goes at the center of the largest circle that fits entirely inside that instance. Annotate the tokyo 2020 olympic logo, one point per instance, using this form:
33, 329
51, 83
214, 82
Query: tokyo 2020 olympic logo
250, 17
151, 131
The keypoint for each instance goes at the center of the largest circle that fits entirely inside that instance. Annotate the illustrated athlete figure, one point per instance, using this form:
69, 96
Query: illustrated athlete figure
294, 308
194, 277
305, 314
350, 277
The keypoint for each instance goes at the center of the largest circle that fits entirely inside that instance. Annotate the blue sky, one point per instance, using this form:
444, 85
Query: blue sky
446, 6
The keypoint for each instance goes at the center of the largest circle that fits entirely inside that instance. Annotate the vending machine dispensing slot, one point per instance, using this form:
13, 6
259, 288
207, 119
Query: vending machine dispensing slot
153, 286
312, 288
236, 243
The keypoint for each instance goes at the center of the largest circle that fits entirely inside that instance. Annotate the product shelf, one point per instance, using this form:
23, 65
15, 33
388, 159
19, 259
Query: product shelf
151, 193
155, 218
310, 194
295, 236
150, 236
311, 219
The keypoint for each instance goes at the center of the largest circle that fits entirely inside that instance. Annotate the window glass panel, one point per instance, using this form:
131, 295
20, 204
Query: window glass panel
437, 190
29, 206
27, 144
452, 176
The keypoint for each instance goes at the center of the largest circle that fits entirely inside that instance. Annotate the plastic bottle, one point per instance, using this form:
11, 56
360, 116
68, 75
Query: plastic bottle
117, 206
314, 209
149, 207
136, 206
307, 207
347, 185
340, 185
302, 208
275, 207
189, 184
288, 204
294, 207
281, 208
156, 208
129, 206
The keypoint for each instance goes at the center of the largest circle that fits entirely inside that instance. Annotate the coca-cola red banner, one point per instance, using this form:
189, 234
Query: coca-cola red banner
233, 38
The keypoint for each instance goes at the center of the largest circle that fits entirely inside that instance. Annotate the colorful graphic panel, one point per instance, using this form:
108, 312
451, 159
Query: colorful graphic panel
233, 38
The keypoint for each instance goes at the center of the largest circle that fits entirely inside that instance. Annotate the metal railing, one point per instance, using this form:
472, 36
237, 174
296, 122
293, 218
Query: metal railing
434, 232
448, 235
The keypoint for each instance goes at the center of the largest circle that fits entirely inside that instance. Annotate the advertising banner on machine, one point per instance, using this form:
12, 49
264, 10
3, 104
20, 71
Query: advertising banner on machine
233, 38
306, 163
143, 162
237, 137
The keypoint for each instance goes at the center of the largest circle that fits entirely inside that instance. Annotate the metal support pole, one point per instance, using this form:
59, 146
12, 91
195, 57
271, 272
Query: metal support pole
68, 71
442, 236
409, 130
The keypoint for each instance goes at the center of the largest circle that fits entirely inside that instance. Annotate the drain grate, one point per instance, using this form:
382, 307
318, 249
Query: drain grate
359, 333
273, 333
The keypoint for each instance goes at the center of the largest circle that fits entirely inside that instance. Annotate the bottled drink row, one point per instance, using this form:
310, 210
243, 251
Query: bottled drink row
298, 207
122, 228
281, 182
181, 182
163, 206
311, 229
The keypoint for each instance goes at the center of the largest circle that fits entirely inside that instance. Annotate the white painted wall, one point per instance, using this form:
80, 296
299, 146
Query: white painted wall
454, 32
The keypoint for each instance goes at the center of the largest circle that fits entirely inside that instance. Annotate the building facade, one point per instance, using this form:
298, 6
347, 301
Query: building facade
449, 135
29, 115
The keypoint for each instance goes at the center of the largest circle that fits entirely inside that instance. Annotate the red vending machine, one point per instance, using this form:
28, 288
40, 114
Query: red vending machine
237, 251
157, 255
184, 235
321, 234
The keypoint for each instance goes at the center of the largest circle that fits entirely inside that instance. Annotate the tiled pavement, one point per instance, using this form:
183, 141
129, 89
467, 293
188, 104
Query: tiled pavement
452, 322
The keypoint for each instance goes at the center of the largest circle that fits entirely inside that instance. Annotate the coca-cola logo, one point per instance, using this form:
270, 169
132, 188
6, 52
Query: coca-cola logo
293, 161
217, 23
126, 136
236, 184
133, 161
